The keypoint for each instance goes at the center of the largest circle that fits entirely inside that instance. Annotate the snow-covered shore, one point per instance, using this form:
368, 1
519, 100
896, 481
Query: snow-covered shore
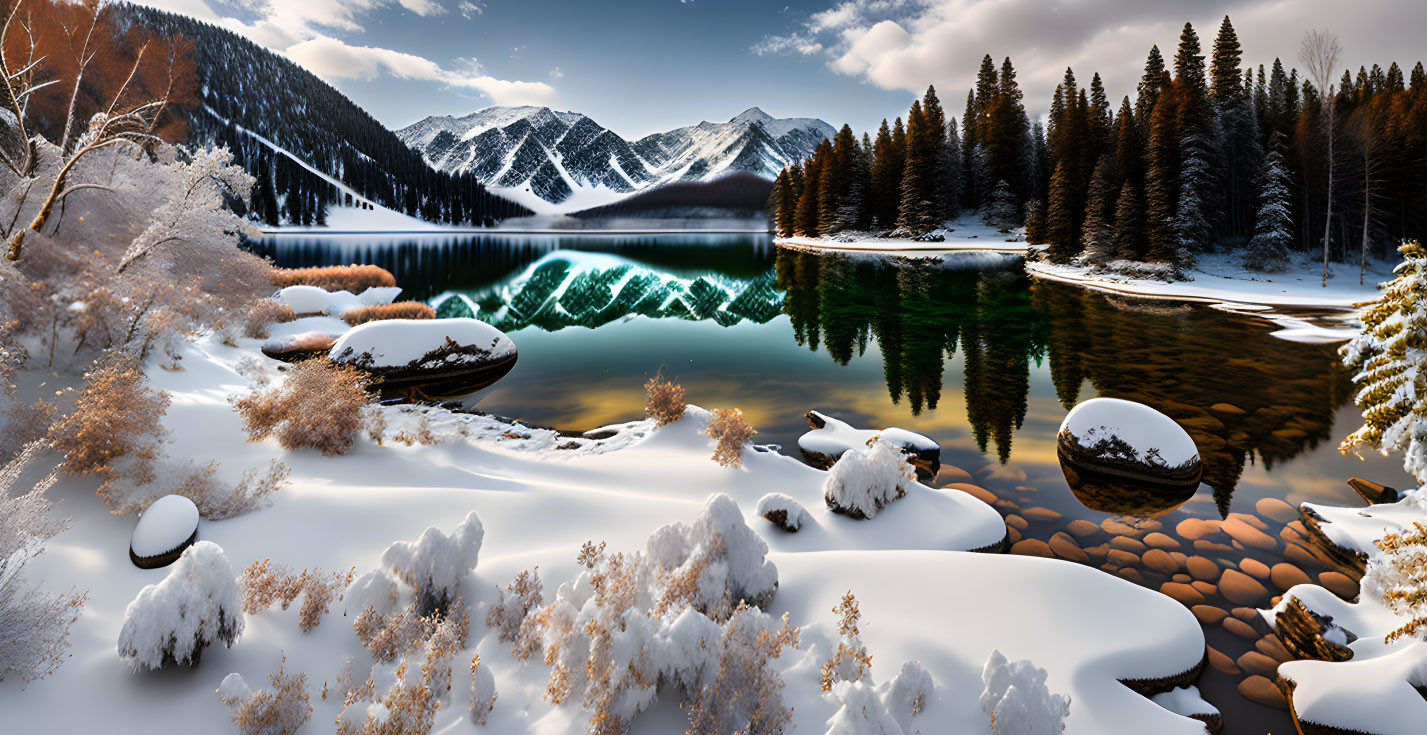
965, 234
539, 499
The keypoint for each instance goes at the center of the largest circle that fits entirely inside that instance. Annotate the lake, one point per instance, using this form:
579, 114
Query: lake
970, 352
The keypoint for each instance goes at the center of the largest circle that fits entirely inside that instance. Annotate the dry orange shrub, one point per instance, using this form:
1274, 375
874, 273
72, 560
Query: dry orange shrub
516, 602
354, 278
117, 414
319, 405
666, 402
263, 583
410, 705
279, 711
381, 312
731, 432
851, 661
263, 314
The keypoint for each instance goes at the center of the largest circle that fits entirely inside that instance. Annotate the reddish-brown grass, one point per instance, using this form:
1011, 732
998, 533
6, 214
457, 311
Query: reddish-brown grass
381, 312
354, 278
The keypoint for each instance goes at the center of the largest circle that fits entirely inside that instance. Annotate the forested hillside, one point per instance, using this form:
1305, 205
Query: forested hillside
242, 87
1207, 156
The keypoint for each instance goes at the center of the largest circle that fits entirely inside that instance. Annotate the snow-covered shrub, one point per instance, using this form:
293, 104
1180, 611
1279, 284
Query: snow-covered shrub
908, 693
198, 209
354, 278
319, 405
728, 428
782, 511
280, 710
375, 589
195, 606
666, 402
851, 661
1390, 355
630, 621
263, 583
262, 315
378, 312
116, 415
373, 421
21, 422
1017, 700
515, 603
483, 693
862, 711
387, 637
435, 564
406, 699
1398, 576
865, 480
34, 625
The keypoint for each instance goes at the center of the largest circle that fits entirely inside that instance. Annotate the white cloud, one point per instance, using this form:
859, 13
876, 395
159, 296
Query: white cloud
908, 44
556, 73
423, 8
332, 58
470, 10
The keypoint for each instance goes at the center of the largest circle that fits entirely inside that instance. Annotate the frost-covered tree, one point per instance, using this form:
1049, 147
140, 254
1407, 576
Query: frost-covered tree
865, 480
1397, 575
1001, 210
1390, 356
174, 619
197, 210
435, 564
1017, 700
34, 624
1268, 249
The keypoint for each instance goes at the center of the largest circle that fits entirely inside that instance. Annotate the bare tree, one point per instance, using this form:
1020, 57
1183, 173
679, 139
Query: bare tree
1319, 53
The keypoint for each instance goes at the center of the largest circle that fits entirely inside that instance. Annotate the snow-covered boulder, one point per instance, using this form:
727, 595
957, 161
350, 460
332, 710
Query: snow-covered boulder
866, 479
309, 300
428, 358
435, 564
166, 528
1187, 701
298, 347
830, 438
196, 605
782, 511
1129, 440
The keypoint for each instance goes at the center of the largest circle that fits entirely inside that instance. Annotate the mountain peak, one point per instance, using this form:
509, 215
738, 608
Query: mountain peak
752, 115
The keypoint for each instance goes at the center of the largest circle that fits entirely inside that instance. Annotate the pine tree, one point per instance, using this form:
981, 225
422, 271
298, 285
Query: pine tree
1268, 250
917, 212
806, 215
782, 187
1193, 228
934, 120
835, 178
1035, 222
1001, 211
1162, 181
950, 173
788, 198
1098, 232
1062, 226
885, 194
852, 209
1129, 223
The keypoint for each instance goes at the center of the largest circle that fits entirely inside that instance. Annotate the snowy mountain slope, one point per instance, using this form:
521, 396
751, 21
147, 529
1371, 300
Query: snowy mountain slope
560, 161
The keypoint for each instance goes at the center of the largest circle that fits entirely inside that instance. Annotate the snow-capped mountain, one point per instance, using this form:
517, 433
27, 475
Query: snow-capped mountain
563, 161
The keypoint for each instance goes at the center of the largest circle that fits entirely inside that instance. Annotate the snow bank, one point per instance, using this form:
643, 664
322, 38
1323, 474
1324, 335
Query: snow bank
310, 300
196, 605
835, 437
1017, 700
423, 344
166, 526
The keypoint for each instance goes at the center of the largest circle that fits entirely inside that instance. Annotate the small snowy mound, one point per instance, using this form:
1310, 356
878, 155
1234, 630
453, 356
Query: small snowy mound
166, 528
435, 564
1129, 440
865, 480
831, 438
173, 620
862, 712
1017, 700
1188, 702
782, 511
733, 558
909, 693
309, 300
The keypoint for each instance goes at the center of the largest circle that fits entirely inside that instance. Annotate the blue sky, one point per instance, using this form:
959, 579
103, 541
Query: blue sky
641, 66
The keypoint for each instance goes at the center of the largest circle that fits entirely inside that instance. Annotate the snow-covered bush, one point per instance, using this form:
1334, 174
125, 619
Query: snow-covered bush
1390, 355
137, 482
782, 511
862, 711
319, 405
1398, 576
404, 701
728, 428
263, 583
117, 415
195, 606
666, 402
1017, 700
851, 661
865, 480
516, 601
435, 564
34, 625
483, 693
631, 620
908, 693
354, 278
198, 208
280, 710
378, 312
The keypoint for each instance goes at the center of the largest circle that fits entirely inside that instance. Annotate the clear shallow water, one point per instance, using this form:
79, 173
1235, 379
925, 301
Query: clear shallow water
982, 359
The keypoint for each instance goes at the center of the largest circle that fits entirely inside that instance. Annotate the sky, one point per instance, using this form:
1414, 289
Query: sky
643, 66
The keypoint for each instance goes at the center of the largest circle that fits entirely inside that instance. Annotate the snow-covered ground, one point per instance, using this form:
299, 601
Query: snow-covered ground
921, 597
966, 233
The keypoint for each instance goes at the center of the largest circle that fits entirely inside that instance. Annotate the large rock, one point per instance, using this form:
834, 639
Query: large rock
830, 438
1128, 441
166, 528
427, 359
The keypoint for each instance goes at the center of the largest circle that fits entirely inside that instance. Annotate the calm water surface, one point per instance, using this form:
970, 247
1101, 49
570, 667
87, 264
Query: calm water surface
979, 357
